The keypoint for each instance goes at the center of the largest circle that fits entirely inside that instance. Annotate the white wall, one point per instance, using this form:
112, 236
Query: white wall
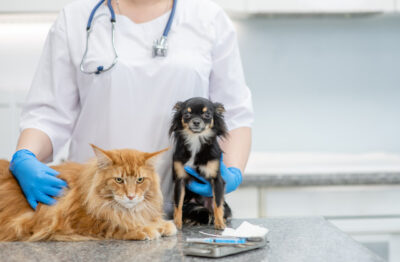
323, 83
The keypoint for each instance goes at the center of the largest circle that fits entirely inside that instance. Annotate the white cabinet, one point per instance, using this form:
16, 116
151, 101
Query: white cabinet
10, 111
33, 6
332, 201
309, 6
244, 202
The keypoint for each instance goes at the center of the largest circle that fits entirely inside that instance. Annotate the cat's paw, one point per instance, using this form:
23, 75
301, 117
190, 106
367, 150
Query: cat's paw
168, 228
151, 233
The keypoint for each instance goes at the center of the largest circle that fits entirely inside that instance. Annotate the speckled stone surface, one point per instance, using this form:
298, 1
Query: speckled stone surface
332, 179
290, 239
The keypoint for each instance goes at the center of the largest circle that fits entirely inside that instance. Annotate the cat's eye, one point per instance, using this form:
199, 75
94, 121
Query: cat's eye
119, 180
140, 180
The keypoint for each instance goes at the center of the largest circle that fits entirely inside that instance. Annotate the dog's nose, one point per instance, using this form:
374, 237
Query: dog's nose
196, 122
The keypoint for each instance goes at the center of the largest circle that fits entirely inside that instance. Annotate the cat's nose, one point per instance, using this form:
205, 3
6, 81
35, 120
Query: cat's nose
131, 196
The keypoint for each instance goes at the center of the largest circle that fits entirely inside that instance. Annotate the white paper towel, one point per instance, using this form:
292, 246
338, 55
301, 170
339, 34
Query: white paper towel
246, 230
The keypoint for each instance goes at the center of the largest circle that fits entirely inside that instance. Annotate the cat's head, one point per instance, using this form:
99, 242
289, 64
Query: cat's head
126, 178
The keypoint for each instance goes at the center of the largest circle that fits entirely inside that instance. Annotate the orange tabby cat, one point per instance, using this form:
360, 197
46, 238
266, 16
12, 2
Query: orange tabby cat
115, 196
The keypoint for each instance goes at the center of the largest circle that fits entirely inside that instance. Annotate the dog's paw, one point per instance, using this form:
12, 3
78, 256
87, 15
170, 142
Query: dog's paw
219, 223
220, 226
178, 223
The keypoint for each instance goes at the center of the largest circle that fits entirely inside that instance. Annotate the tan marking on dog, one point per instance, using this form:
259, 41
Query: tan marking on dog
211, 124
189, 109
219, 222
210, 170
205, 109
179, 170
185, 125
178, 210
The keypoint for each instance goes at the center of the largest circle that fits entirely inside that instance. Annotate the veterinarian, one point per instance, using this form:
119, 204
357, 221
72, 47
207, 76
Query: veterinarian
126, 102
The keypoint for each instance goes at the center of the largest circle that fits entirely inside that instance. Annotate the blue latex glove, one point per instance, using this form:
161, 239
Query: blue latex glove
231, 175
37, 181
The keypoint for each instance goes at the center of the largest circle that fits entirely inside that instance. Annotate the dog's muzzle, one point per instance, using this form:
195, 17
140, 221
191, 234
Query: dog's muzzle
196, 125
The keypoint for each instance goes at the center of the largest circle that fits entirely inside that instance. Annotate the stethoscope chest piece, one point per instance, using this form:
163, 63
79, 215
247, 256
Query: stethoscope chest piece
160, 47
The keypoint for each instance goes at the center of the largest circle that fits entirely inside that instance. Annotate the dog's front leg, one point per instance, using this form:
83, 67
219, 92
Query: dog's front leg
212, 173
179, 192
218, 187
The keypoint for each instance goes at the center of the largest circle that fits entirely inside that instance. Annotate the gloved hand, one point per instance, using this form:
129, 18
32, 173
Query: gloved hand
231, 175
37, 181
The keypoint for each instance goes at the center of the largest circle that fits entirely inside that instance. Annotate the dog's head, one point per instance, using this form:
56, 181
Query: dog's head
199, 115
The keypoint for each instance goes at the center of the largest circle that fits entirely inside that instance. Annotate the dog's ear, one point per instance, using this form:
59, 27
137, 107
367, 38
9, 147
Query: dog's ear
219, 108
176, 118
178, 106
219, 123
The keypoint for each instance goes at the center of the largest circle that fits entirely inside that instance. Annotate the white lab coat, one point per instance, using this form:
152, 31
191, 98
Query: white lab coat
131, 105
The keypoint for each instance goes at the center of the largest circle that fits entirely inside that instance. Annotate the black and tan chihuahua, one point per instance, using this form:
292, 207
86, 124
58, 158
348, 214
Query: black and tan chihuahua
196, 125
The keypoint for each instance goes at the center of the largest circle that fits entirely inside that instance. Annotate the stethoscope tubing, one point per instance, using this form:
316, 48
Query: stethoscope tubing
170, 19
89, 24
101, 68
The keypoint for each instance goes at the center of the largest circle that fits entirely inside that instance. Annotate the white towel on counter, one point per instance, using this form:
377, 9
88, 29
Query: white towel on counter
246, 230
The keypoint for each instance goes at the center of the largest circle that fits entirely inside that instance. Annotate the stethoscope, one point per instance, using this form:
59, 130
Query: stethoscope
160, 46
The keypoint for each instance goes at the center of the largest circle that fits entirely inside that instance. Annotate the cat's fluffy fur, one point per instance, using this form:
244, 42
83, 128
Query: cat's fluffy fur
94, 206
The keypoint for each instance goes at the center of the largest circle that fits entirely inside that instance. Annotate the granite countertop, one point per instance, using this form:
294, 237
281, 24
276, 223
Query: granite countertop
290, 239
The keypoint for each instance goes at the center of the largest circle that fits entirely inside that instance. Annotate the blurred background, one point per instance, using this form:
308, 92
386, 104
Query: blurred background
325, 79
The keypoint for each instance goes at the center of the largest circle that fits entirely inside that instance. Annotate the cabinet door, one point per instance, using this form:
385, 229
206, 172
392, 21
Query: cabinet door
333, 201
10, 111
7, 126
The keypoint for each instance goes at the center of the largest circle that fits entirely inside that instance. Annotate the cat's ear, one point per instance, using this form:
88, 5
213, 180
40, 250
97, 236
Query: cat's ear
150, 157
103, 159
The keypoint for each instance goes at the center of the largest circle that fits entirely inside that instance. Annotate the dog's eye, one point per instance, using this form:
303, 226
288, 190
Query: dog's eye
207, 115
186, 115
139, 180
119, 180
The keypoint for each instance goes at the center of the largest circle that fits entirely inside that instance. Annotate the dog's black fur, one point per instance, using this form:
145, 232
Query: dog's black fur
196, 125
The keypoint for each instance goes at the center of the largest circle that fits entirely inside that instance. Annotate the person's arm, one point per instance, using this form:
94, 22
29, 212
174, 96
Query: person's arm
37, 142
236, 147
47, 118
228, 86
